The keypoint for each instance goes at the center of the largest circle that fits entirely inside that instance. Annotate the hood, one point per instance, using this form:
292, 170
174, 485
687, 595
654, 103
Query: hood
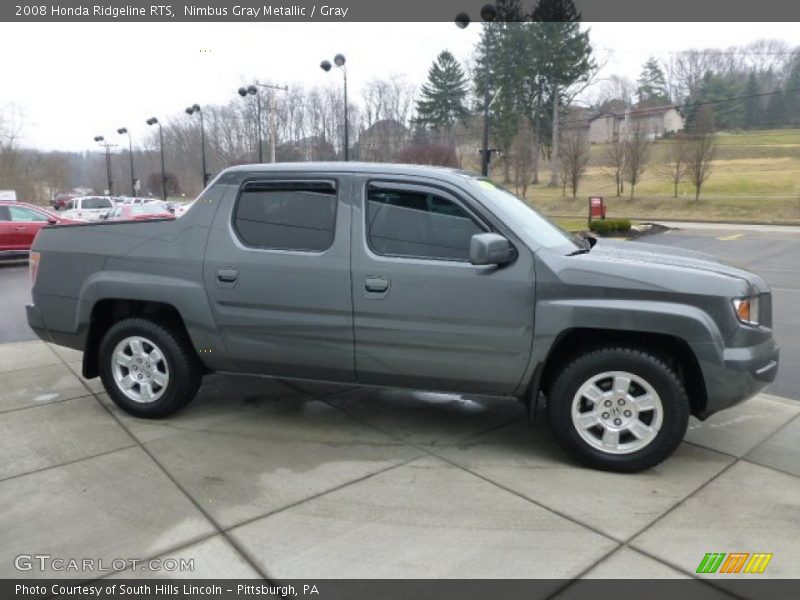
643, 254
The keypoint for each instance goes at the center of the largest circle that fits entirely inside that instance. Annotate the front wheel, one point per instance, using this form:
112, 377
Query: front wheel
147, 369
618, 409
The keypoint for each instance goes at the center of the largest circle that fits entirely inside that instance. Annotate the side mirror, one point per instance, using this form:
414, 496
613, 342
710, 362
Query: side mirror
490, 249
52, 220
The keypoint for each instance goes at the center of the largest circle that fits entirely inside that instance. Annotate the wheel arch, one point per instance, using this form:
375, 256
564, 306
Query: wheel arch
675, 351
108, 311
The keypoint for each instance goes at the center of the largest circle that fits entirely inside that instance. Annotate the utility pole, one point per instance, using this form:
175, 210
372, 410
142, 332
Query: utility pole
101, 140
554, 161
273, 122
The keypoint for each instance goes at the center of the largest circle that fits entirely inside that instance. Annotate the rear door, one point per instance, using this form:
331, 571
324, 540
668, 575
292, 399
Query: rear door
277, 272
424, 316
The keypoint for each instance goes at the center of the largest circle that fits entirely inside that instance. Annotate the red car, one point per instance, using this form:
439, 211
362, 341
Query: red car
139, 212
19, 224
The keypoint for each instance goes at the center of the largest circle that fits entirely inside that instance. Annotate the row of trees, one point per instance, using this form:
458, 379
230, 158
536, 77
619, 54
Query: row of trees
689, 157
749, 87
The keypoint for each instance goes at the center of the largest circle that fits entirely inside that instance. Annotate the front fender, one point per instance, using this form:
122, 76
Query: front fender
689, 323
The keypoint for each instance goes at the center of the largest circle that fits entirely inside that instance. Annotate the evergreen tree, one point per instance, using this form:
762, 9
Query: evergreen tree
652, 88
443, 98
564, 58
791, 96
499, 64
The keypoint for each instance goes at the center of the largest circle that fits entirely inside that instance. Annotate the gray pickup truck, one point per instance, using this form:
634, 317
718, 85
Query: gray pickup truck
413, 277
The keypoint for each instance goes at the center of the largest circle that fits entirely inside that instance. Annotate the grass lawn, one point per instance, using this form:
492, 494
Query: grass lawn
755, 177
569, 224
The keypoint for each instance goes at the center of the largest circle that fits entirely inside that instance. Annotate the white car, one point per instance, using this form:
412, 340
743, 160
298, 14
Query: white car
88, 208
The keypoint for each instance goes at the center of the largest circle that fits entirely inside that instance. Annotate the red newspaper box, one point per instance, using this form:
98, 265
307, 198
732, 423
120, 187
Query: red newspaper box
597, 209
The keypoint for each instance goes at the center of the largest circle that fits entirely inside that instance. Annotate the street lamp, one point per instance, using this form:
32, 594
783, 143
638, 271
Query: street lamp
273, 125
102, 141
253, 91
124, 131
326, 66
462, 20
190, 110
154, 121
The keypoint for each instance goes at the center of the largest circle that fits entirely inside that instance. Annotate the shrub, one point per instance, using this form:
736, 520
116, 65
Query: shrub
608, 226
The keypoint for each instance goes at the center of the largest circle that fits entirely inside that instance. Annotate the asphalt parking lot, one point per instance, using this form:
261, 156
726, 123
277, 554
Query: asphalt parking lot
264, 478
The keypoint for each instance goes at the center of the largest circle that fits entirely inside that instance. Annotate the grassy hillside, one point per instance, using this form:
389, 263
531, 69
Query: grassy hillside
755, 176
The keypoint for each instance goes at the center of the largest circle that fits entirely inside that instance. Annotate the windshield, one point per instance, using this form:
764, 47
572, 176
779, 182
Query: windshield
523, 218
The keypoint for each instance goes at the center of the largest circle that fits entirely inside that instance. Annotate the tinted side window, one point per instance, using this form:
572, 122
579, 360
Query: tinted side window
4, 214
287, 215
417, 224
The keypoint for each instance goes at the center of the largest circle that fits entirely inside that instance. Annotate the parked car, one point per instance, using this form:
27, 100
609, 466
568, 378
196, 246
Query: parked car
138, 212
415, 277
88, 208
61, 201
19, 224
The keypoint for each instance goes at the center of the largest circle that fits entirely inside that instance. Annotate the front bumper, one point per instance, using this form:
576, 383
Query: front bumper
742, 374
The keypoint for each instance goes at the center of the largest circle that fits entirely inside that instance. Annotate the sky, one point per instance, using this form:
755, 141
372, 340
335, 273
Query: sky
73, 81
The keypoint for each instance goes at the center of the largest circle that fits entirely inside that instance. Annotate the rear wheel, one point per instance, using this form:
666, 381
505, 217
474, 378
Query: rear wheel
147, 369
618, 409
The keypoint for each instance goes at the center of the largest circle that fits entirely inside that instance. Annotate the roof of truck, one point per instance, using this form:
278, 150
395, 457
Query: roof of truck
354, 167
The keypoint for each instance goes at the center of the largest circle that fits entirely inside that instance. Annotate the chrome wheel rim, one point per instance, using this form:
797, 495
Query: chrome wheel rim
617, 412
140, 369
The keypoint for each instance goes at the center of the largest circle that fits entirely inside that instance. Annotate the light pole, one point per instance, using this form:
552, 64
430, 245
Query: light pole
488, 14
154, 121
253, 91
102, 141
326, 66
190, 110
124, 131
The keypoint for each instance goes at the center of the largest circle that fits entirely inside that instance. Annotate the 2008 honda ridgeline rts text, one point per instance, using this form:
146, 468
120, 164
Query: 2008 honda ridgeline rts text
414, 277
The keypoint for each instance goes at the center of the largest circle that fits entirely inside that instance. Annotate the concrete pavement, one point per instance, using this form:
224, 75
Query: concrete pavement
260, 477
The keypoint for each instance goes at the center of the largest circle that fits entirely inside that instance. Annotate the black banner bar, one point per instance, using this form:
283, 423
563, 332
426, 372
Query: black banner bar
397, 589
383, 10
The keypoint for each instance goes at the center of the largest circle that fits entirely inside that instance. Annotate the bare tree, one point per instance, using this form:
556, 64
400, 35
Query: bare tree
701, 147
615, 155
53, 171
637, 146
574, 151
674, 169
523, 158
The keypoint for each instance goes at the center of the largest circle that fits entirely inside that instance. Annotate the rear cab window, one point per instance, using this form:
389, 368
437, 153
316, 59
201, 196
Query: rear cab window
295, 215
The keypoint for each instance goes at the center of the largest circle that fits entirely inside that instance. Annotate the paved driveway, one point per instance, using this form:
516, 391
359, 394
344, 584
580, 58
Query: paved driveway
259, 477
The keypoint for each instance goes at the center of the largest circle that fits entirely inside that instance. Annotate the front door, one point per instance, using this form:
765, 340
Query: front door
277, 272
424, 316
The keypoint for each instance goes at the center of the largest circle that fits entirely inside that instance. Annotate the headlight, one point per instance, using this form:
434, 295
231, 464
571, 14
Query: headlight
746, 310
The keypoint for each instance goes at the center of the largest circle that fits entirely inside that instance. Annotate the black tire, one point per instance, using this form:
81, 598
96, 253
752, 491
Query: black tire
179, 361
640, 363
